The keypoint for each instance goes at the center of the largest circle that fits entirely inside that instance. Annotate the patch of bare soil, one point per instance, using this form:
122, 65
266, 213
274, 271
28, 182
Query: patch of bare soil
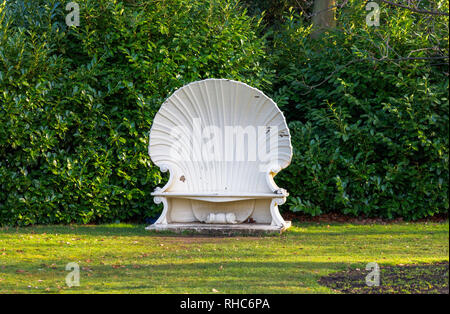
399, 279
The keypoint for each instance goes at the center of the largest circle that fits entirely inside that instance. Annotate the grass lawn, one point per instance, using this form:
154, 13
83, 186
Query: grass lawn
124, 258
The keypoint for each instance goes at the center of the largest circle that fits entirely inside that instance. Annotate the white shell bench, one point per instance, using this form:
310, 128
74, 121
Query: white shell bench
222, 142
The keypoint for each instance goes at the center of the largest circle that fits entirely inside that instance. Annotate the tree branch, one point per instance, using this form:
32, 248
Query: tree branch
415, 9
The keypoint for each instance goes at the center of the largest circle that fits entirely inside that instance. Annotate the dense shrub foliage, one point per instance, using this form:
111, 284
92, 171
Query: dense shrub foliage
77, 103
369, 113
368, 106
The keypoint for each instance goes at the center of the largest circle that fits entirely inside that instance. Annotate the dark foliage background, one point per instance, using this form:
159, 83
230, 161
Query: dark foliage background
369, 112
368, 107
77, 104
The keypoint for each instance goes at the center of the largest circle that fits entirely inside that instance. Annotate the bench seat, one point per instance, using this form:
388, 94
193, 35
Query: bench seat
220, 196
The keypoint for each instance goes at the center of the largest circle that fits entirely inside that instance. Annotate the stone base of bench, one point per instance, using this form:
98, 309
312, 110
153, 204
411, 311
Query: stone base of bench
220, 229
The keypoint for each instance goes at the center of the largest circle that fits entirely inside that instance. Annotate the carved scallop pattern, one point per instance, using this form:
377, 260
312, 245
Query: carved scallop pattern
218, 103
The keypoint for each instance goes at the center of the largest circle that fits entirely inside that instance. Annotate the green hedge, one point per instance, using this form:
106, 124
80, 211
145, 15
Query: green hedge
370, 126
77, 103
370, 134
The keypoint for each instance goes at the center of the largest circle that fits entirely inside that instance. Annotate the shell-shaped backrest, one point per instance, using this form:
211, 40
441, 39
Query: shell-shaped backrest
219, 135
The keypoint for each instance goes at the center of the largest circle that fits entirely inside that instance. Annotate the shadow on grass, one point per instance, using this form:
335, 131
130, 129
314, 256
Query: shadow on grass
369, 232
94, 230
269, 277
121, 230
124, 230
416, 228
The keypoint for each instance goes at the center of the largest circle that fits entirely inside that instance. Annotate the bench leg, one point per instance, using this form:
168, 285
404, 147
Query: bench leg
277, 220
162, 220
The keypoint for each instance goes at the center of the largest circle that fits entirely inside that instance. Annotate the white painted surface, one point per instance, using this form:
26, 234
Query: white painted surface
221, 218
197, 187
